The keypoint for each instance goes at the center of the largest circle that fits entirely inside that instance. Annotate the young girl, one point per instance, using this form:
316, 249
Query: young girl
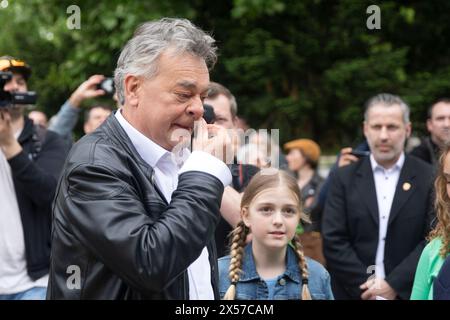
434, 254
269, 267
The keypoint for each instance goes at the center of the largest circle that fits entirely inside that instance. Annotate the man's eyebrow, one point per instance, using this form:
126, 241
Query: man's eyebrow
187, 84
191, 86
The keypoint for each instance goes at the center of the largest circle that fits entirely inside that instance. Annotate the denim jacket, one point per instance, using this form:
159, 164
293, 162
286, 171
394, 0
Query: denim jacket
288, 286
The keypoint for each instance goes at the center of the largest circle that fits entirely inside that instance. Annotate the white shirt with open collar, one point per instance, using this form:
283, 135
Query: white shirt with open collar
166, 176
385, 184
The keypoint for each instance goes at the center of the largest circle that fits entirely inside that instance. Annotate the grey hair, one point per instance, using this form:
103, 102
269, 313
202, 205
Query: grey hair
387, 100
140, 55
215, 89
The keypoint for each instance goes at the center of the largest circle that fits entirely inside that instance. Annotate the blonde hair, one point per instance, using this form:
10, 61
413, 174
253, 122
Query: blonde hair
259, 183
442, 206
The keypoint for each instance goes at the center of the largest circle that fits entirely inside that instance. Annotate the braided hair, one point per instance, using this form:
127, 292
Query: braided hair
442, 206
306, 295
239, 235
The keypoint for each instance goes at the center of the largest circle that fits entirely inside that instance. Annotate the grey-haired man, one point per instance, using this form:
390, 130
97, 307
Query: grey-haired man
132, 219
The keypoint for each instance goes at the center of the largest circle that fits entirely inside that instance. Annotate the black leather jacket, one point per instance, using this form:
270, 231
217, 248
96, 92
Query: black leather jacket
113, 227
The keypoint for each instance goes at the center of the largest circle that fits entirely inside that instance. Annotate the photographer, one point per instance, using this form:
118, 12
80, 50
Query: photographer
31, 159
67, 117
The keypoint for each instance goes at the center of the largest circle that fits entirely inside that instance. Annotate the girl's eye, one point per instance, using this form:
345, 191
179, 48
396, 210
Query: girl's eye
265, 210
290, 211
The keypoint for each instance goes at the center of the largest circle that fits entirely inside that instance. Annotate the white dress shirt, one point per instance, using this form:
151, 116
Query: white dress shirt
385, 184
167, 167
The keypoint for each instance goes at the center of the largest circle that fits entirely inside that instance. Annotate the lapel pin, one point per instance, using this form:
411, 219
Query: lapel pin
406, 186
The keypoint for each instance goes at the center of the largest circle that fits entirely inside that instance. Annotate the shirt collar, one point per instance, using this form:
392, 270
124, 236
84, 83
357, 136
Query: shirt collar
150, 151
397, 166
249, 272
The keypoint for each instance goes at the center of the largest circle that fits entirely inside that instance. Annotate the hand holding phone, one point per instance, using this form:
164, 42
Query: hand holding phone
360, 153
348, 155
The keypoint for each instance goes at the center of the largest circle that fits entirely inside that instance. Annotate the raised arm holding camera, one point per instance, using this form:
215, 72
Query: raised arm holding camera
67, 117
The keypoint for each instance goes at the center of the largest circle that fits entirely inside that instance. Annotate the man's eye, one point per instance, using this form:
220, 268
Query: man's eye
183, 96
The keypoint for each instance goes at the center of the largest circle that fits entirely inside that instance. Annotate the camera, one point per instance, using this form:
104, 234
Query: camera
107, 85
10, 98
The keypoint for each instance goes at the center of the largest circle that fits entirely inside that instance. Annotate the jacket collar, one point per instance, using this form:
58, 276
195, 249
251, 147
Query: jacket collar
150, 151
249, 272
365, 185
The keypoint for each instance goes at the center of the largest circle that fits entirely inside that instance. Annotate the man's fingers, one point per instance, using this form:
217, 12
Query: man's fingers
366, 295
4, 115
200, 134
350, 158
95, 79
346, 150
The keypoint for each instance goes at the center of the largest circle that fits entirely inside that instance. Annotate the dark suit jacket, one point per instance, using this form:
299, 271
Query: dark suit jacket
351, 226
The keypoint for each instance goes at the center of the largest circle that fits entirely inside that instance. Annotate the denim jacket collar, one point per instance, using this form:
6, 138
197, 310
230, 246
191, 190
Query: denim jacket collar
249, 268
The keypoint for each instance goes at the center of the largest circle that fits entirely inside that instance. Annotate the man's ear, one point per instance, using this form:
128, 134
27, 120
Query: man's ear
365, 127
244, 215
429, 125
131, 87
408, 129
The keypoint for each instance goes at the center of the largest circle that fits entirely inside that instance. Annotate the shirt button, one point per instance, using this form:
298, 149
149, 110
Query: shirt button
384, 217
282, 282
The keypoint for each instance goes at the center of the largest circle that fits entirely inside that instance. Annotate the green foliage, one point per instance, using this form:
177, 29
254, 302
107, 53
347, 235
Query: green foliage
306, 67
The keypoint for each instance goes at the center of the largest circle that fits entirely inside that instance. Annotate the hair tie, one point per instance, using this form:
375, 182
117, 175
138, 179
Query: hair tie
234, 283
305, 281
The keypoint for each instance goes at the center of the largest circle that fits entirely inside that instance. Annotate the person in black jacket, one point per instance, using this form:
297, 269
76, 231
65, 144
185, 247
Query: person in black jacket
135, 211
438, 124
378, 210
31, 159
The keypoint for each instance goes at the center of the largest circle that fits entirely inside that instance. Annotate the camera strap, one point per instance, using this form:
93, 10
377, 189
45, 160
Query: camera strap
37, 139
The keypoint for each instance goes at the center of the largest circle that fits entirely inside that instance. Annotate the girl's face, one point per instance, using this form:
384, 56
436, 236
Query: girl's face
447, 172
295, 160
272, 217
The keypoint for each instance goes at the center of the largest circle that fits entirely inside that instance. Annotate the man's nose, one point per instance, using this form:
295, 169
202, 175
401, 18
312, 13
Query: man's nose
447, 122
195, 109
384, 133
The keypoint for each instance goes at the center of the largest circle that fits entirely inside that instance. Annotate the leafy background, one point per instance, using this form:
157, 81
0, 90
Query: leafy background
306, 67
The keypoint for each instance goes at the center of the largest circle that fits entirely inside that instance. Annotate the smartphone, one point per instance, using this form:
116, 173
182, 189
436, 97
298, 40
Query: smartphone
208, 114
107, 85
360, 153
